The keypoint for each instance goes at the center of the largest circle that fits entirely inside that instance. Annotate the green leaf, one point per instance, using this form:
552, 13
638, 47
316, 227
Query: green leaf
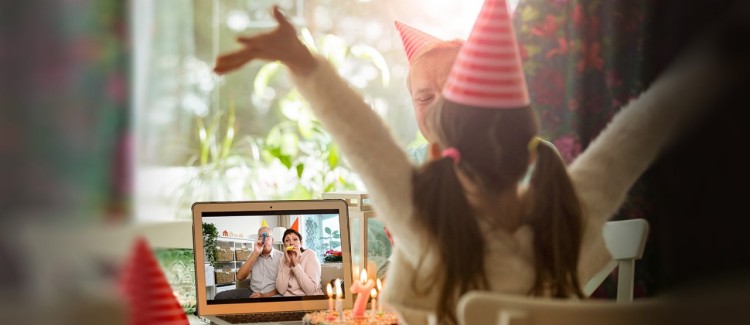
286, 160
335, 244
300, 169
226, 145
328, 230
333, 155
300, 193
203, 141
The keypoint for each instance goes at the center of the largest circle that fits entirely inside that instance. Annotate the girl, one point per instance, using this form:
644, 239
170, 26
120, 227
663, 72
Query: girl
466, 220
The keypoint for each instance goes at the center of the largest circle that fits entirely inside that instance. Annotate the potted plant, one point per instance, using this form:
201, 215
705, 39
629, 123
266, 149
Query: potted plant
209, 243
333, 256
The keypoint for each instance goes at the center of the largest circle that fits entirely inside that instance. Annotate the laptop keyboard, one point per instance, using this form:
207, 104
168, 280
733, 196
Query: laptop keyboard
264, 317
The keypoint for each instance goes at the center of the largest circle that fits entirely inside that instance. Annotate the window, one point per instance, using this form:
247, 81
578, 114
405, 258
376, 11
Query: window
249, 135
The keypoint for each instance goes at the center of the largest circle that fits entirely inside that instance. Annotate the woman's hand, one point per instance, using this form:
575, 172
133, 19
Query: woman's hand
279, 44
291, 257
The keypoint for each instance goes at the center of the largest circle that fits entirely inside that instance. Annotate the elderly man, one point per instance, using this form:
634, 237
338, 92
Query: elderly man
261, 266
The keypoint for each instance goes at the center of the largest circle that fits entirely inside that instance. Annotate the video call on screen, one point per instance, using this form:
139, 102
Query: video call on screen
238, 233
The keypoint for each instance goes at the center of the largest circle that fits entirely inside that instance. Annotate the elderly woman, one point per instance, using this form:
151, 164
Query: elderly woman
299, 271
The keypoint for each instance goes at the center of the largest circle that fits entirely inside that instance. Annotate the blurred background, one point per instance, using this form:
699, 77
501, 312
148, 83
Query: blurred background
110, 118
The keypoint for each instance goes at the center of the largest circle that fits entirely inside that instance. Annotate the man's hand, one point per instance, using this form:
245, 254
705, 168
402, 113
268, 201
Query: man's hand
258, 247
256, 295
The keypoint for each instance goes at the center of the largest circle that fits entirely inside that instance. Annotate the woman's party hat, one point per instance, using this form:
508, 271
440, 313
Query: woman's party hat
488, 72
295, 225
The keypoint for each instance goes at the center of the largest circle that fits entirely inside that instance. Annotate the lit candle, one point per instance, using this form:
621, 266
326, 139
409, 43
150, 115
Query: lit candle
329, 290
374, 295
362, 289
339, 299
380, 290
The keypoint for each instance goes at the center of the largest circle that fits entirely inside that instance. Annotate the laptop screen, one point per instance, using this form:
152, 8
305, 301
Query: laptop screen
270, 255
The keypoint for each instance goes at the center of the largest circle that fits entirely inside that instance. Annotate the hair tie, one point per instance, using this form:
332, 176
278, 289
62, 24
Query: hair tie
533, 144
453, 153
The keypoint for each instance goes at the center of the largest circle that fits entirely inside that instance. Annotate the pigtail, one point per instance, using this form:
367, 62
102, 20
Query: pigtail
442, 208
556, 218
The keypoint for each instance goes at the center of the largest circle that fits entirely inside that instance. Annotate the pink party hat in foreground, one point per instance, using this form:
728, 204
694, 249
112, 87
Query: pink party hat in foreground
414, 40
488, 72
147, 293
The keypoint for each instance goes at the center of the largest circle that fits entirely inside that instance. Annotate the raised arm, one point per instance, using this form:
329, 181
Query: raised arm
363, 137
247, 267
604, 173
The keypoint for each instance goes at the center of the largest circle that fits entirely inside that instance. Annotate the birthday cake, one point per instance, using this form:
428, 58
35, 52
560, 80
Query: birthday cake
325, 317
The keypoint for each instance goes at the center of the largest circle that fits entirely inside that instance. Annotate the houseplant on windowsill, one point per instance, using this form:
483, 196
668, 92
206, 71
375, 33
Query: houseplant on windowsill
221, 164
332, 256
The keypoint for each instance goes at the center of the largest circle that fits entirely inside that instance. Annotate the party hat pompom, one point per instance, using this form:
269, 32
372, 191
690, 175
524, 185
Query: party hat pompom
414, 40
488, 72
148, 295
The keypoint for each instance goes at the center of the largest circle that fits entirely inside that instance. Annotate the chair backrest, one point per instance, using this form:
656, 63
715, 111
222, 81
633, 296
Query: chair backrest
478, 307
625, 240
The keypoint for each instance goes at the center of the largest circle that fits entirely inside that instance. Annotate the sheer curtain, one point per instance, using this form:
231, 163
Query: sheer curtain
172, 86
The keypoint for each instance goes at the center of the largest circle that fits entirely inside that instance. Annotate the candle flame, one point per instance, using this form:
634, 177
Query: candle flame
373, 293
379, 285
363, 276
329, 290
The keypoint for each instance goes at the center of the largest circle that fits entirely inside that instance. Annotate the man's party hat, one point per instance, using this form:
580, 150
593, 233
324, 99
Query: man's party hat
414, 40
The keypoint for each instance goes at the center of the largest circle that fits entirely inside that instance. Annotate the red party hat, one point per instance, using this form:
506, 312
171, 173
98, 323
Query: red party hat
488, 72
413, 39
147, 293
295, 225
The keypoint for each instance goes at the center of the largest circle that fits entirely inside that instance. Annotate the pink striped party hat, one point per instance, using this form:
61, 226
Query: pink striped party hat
148, 295
488, 72
413, 39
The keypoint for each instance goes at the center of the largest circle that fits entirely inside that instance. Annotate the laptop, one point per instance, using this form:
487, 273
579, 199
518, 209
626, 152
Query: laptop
323, 224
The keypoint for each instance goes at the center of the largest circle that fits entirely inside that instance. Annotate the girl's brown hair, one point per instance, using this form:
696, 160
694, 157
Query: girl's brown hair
495, 156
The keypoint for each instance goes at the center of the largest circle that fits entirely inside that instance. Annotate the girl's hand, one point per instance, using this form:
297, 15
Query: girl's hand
279, 44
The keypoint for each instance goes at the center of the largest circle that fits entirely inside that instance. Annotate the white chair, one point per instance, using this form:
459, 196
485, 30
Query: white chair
625, 240
481, 307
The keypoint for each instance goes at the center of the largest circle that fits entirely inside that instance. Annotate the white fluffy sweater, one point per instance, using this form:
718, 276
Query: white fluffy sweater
602, 176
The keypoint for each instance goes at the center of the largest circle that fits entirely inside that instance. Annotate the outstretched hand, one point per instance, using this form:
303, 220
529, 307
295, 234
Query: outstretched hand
279, 44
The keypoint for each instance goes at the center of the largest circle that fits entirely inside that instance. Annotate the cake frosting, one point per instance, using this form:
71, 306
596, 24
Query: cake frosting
325, 317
